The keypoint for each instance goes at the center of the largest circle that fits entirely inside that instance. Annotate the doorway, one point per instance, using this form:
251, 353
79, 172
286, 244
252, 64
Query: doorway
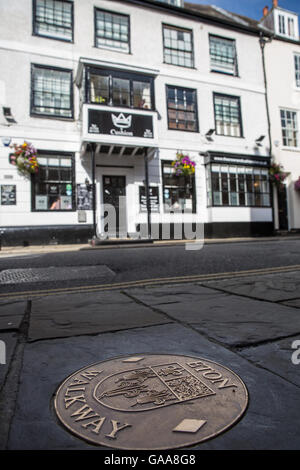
282, 208
114, 194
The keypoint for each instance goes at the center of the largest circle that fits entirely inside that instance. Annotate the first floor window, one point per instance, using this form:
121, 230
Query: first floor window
227, 115
182, 109
238, 186
112, 30
54, 184
120, 89
289, 128
51, 92
53, 18
178, 191
178, 46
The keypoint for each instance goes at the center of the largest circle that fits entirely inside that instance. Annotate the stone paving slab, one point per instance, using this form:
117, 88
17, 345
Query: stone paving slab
88, 313
271, 421
227, 318
292, 303
277, 358
11, 315
273, 287
10, 341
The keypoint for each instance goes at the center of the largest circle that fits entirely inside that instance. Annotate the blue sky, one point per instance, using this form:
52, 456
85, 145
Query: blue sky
251, 8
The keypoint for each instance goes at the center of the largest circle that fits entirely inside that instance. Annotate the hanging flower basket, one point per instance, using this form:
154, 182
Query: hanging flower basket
24, 158
183, 165
277, 176
297, 185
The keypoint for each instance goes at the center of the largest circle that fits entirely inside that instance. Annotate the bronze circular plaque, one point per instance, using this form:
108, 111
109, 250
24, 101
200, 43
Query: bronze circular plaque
151, 401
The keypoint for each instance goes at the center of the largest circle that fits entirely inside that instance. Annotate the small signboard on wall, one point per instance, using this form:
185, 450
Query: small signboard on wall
84, 197
41, 203
154, 198
8, 195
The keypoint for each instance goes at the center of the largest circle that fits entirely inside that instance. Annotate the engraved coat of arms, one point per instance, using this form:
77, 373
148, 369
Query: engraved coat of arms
150, 387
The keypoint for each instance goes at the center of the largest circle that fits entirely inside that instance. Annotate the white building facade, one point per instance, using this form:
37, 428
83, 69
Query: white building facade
108, 92
282, 58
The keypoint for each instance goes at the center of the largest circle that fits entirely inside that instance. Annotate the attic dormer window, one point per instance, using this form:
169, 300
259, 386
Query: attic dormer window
281, 21
291, 28
287, 26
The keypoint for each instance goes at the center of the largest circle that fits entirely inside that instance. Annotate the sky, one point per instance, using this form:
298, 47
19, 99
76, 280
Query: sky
251, 8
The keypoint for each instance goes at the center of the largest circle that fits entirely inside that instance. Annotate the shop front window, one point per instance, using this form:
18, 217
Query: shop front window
238, 186
178, 191
54, 184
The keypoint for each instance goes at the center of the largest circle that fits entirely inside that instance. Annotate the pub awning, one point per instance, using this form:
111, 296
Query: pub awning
113, 150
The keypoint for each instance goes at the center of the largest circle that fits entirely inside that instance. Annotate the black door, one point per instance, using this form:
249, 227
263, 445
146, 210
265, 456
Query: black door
114, 194
282, 208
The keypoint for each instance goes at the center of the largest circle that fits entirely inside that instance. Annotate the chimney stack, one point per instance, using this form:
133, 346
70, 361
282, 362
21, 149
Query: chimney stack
266, 10
275, 3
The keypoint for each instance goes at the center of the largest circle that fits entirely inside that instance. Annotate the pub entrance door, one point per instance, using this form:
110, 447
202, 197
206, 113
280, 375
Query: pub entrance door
282, 208
114, 195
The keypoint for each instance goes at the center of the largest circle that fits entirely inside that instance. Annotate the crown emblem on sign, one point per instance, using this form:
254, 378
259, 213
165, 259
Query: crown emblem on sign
121, 120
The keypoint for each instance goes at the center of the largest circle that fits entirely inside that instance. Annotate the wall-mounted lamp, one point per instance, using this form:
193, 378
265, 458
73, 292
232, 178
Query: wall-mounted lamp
6, 141
209, 134
259, 141
8, 115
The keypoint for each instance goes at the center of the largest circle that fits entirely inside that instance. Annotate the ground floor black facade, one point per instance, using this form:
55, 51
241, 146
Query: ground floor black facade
79, 234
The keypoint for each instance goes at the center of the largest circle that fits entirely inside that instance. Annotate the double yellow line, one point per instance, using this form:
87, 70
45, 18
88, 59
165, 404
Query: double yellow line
146, 282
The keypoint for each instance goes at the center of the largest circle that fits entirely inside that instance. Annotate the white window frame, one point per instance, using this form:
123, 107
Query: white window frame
297, 69
221, 60
289, 131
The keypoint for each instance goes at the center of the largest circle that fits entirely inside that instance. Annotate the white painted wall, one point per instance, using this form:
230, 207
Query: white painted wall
283, 93
19, 49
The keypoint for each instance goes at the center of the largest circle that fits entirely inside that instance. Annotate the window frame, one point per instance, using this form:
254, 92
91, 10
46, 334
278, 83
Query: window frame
293, 111
297, 71
281, 24
167, 87
54, 153
32, 92
210, 188
235, 72
186, 30
193, 190
232, 97
111, 74
96, 9
48, 36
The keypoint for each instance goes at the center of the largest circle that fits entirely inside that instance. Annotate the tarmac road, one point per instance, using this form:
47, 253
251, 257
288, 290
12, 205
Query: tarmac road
247, 322
83, 267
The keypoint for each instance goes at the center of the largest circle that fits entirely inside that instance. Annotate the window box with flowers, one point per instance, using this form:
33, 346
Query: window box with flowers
25, 159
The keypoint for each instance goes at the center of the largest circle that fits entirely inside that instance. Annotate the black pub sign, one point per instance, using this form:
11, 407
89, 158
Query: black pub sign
120, 124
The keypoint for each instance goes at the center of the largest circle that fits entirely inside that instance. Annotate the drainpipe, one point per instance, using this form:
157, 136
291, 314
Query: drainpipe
263, 41
147, 192
93, 150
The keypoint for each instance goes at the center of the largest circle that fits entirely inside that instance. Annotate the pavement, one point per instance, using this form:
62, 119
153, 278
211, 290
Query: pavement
249, 324
6, 251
